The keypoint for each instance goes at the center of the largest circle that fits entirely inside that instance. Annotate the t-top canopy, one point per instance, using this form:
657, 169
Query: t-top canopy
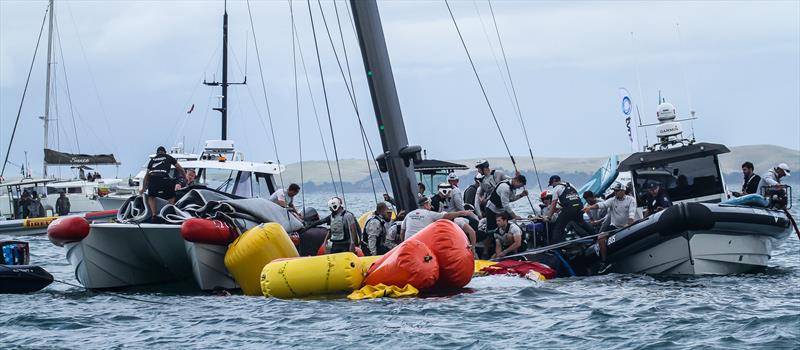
647, 159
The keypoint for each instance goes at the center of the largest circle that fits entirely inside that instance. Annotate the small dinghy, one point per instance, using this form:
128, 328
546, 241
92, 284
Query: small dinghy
16, 275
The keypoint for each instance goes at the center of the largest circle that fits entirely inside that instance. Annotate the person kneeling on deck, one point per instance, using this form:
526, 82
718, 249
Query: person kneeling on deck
568, 205
285, 198
374, 235
418, 219
157, 181
508, 238
313, 235
656, 198
344, 232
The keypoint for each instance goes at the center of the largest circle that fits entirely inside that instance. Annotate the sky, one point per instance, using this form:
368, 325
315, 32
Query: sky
126, 73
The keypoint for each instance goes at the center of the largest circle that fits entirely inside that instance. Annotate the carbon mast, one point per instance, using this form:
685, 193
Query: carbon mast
399, 157
46, 117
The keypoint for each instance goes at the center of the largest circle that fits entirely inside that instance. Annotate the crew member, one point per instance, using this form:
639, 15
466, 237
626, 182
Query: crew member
656, 198
621, 208
313, 235
751, 180
344, 232
491, 178
420, 194
597, 215
455, 199
470, 193
285, 198
440, 201
62, 204
773, 176
508, 238
501, 198
374, 236
568, 205
393, 232
157, 181
417, 219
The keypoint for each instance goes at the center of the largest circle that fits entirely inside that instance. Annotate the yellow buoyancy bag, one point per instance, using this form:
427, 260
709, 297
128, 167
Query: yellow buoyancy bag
248, 254
316, 275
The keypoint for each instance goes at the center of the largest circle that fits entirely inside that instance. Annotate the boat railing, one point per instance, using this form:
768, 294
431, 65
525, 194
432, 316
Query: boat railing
779, 196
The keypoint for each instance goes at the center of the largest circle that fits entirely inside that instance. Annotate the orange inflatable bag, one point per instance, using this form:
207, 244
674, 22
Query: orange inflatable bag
451, 247
412, 262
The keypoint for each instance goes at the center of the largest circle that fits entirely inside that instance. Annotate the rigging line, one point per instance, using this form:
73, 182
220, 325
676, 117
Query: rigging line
297, 107
516, 99
480, 83
314, 106
641, 96
91, 77
351, 91
264, 89
327, 106
185, 118
24, 92
66, 83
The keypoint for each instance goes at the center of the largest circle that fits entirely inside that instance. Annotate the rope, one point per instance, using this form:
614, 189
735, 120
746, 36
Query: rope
24, 92
516, 99
297, 106
69, 94
264, 90
327, 106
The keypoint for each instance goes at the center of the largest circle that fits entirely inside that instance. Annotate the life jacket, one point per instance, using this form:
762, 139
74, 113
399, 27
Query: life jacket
569, 198
495, 197
470, 193
381, 236
340, 233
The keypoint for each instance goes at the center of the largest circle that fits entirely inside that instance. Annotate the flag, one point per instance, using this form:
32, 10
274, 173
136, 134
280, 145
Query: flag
190, 109
626, 105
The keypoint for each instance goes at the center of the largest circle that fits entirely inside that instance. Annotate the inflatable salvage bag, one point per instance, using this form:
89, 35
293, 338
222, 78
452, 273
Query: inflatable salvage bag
412, 262
312, 276
254, 249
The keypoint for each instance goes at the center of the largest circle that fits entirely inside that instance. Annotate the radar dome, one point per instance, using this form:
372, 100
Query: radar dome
666, 112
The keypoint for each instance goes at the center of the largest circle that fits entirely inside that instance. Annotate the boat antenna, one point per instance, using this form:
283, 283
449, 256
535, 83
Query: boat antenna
24, 92
685, 81
223, 108
639, 85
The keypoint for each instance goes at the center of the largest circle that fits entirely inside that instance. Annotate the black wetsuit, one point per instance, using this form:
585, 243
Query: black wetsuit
160, 184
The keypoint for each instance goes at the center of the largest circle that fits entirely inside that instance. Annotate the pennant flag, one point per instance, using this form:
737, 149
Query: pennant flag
630, 123
190, 109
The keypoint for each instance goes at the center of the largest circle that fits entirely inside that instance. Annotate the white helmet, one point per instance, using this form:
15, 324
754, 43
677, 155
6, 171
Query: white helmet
334, 204
452, 177
666, 112
445, 188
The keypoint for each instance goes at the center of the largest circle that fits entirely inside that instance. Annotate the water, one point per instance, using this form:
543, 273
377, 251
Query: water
611, 312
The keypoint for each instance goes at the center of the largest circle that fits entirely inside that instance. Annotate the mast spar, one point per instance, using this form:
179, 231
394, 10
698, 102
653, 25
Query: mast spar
223, 108
46, 117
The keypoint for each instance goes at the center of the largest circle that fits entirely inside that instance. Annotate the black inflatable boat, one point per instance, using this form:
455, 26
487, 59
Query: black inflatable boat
16, 275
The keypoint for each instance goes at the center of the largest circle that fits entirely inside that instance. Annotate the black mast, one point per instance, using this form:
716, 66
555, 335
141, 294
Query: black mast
398, 157
223, 108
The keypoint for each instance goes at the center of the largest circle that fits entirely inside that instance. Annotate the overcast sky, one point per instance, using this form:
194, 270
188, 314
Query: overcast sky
134, 68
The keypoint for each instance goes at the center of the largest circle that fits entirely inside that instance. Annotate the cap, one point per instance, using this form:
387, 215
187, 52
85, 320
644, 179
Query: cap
422, 200
554, 178
653, 185
483, 163
452, 177
785, 168
161, 149
618, 187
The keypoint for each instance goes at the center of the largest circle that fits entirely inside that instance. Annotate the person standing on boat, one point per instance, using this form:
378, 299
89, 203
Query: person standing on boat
772, 178
455, 201
285, 198
189, 180
393, 232
62, 204
37, 209
751, 181
157, 181
656, 198
621, 209
440, 201
597, 215
567, 204
372, 241
501, 198
344, 232
490, 179
470, 194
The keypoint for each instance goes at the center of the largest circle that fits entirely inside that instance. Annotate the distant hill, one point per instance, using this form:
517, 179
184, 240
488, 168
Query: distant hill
317, 176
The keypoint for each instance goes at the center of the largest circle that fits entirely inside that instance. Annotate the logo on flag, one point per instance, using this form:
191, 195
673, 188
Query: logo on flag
627, 108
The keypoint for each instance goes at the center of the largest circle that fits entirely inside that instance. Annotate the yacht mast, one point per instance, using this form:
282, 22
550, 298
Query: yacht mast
223, 108
46, 117
398, 157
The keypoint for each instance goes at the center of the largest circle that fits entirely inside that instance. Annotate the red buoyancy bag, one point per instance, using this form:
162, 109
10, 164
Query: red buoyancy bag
451, 247
412, 262
68, 229
208, 231
520, 268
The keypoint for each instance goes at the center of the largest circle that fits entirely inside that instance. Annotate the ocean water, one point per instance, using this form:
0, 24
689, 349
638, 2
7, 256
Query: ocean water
755, 311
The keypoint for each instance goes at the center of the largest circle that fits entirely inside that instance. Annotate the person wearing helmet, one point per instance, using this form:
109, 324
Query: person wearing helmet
751, 180
470, 194
490, 179
772, 178
567, 204
621, 208
501, 198
455, 200
344, 232
313, 235
597, 215
157, 180
374, 235
440, 200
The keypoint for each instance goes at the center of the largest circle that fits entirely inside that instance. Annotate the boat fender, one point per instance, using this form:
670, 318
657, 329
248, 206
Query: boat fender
412, 262
67, 229
208, 231
310, 276
254, 249
685, 216
450, 246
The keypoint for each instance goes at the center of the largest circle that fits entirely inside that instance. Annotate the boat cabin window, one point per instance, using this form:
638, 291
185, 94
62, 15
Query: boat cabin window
686, 179
75, 190
244, 185
263, 186
218, 179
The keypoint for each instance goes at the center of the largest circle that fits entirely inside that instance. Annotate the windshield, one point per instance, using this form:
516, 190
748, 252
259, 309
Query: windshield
218, 179
681, 180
